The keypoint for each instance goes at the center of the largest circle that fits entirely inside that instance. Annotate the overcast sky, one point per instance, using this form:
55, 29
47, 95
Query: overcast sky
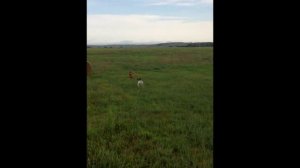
142, 21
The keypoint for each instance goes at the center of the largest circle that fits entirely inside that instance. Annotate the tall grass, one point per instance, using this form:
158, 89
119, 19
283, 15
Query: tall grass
168, 123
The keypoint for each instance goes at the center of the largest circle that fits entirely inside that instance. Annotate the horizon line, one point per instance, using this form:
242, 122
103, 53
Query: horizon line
146, 43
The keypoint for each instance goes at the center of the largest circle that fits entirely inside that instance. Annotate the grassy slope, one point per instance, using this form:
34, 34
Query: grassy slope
168, 123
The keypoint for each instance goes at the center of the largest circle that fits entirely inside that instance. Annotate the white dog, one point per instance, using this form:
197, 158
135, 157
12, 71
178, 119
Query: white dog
140, 83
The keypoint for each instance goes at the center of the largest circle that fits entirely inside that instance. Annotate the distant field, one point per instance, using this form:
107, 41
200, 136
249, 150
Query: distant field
168, 123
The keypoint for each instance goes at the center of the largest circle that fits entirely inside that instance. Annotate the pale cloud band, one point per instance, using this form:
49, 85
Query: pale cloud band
181, 2
105, 29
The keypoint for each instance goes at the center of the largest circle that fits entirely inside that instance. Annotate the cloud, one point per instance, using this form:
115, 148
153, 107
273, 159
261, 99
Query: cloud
181, 2
145, 28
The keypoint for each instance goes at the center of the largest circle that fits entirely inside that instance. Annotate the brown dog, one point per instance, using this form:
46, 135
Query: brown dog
130, 75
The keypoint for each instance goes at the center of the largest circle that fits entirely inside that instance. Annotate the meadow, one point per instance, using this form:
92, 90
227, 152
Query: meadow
167, 123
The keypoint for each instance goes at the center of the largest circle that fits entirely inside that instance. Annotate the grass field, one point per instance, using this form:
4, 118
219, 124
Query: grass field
168, 123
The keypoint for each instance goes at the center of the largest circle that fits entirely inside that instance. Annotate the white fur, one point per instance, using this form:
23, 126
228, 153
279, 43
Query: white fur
140, 83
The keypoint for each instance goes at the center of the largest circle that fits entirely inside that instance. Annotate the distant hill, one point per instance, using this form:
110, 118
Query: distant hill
182, 44
169, 44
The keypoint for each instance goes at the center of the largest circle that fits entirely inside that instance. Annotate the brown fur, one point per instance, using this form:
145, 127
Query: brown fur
130, 75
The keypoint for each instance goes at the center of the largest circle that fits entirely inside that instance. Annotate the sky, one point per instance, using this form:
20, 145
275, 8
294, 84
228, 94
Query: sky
149, 21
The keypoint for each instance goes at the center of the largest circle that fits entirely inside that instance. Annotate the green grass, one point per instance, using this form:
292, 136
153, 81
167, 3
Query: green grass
168, 123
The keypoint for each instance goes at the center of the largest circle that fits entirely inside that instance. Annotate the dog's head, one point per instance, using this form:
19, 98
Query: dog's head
138, 79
